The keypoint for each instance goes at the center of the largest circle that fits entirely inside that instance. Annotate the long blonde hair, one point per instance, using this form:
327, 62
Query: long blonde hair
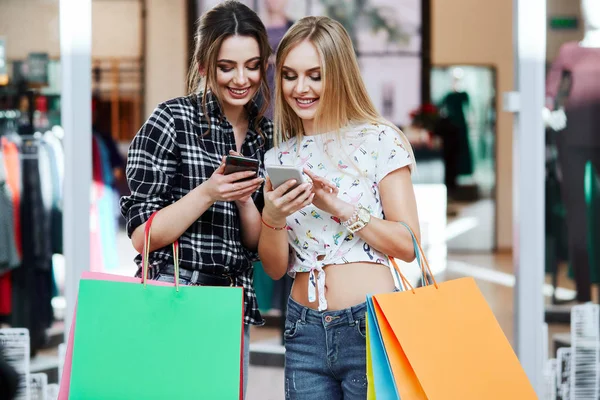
344, 98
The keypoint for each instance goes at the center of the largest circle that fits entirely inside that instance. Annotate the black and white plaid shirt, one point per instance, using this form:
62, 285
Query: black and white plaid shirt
169, 157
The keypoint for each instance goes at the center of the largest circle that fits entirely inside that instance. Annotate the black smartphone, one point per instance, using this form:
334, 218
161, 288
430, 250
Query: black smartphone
240, 164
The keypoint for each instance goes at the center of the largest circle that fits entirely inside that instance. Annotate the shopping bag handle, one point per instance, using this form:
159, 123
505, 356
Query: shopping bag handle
421, 260
146, 254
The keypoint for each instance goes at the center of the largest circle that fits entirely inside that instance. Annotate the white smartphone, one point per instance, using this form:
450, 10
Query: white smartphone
280, 174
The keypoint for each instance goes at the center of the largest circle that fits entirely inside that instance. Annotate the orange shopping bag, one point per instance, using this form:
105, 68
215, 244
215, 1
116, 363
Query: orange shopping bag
443, 342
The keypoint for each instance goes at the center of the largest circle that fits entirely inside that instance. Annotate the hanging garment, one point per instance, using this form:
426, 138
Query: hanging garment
58, 177
96, 256
12, 165
454, 104
9, 258
8, 250
59, 154
49, 181
106, 210
35, 214
55, 198
5, 297
32, 282
46, 181
13, 171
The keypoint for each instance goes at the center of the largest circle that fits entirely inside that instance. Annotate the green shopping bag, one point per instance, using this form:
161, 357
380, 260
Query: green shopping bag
148, 340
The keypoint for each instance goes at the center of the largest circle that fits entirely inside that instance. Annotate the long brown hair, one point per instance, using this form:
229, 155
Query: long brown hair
344, 98
229, 18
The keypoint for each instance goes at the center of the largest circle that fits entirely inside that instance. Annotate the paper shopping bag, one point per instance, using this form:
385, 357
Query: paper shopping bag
442, 342
134, 338
65, 379
136, 342
379, 372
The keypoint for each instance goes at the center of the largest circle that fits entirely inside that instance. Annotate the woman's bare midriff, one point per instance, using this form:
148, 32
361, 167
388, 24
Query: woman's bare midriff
346, 285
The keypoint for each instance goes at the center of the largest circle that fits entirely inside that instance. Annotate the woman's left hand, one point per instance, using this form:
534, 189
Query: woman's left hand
326, 197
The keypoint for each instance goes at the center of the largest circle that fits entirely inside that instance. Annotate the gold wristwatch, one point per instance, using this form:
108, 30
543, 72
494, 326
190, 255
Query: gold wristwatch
358, 220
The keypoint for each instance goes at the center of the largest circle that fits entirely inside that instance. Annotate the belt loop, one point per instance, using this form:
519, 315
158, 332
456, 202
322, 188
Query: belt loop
350, 316
195, 275
303, 314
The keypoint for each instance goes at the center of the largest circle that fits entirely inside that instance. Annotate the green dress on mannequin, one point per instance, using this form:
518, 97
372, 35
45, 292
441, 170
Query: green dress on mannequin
454, 104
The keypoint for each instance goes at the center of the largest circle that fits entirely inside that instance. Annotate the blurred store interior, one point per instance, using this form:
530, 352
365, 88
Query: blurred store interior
436, 68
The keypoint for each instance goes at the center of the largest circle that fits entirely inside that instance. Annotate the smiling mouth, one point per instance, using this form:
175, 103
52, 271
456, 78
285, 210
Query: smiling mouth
306, 102
239, 92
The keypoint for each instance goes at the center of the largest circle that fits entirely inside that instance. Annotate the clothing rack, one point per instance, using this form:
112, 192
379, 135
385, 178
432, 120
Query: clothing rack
30, 215
31, 212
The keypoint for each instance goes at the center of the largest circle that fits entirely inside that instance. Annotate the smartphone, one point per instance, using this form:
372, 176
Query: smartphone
280, 174
241, 164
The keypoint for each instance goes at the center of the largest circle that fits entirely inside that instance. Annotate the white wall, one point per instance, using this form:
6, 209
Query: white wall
166, 51
480, 32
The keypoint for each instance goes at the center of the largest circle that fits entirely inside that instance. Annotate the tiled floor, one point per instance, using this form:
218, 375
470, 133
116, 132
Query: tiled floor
472, 228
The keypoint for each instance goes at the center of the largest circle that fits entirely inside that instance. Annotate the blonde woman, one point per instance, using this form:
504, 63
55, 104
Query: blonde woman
335, 232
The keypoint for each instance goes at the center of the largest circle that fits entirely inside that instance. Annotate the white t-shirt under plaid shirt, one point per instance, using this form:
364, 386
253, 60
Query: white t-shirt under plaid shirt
171, 155
356, 159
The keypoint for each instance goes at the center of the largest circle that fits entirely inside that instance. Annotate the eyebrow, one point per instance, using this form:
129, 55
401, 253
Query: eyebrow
313, 69
234, 62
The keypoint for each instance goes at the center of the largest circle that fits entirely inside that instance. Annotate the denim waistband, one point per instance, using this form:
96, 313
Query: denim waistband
298, 312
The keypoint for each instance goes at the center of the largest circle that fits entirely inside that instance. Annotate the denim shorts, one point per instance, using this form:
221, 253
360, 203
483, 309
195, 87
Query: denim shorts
171, 279
325, 356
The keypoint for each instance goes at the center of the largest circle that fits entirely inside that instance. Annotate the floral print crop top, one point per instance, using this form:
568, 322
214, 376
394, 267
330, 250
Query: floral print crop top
356, 160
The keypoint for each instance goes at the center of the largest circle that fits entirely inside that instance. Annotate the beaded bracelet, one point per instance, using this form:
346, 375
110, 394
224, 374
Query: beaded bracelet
272, 227
352, 218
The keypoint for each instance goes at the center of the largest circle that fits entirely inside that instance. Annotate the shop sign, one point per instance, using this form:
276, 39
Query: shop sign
562, 23
37, 68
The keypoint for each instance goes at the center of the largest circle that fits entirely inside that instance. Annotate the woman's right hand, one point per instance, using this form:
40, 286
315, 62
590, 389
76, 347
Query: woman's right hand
221, 187
279, 204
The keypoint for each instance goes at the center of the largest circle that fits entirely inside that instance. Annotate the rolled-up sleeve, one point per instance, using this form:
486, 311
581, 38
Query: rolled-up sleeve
151, 168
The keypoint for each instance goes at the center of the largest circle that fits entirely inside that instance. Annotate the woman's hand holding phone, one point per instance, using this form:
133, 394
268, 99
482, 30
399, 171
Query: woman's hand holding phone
279, 204
221, 187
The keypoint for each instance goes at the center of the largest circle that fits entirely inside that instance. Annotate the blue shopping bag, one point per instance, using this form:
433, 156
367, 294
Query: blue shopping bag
379, 370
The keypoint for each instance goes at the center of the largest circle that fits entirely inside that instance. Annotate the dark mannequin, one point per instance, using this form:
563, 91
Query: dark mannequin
454, 129
578, 140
